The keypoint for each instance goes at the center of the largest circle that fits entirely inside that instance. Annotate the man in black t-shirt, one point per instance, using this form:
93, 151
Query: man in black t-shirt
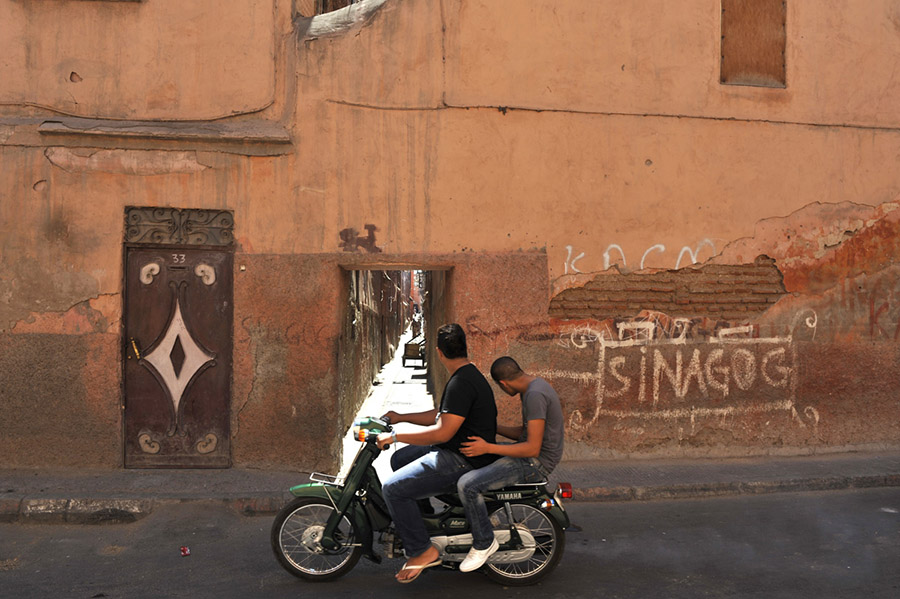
432, 463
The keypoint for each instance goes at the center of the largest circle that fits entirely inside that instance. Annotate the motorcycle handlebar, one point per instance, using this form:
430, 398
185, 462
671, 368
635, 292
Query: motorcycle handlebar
368, 429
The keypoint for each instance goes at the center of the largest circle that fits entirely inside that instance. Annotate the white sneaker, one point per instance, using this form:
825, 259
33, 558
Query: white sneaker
476, 557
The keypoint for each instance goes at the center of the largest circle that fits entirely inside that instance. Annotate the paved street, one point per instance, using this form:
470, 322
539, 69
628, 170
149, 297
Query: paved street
822, 545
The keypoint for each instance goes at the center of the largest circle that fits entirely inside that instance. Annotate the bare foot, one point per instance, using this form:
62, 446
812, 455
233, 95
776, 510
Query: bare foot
426, 557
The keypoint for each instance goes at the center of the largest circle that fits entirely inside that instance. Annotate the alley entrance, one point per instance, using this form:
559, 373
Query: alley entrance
388, 357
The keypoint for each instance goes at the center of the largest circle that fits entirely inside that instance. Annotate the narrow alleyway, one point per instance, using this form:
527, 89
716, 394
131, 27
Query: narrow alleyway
398, 388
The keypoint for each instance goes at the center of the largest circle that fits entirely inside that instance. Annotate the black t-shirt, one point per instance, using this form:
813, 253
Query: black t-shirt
469, 395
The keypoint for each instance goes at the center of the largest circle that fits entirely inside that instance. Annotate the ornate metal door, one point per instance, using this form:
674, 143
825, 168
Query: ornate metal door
178, 338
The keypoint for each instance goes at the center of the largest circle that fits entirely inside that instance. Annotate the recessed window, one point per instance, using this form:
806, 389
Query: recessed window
311, 8
753, 42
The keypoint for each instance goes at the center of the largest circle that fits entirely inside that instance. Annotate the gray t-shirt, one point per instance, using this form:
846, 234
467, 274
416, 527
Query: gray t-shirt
540, 402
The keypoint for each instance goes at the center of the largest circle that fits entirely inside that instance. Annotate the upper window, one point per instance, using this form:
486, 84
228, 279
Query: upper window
753, 42
311, 8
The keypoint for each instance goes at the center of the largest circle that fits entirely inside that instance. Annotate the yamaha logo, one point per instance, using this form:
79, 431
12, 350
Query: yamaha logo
508, 496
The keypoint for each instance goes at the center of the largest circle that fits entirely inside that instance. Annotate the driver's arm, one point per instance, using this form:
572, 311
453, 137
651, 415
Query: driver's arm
440, 432
426, 418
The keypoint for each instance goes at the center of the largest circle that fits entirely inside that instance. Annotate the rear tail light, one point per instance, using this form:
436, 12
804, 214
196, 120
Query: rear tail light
565, 490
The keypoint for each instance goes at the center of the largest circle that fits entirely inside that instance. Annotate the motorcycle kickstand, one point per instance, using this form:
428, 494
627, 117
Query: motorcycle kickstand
515, 541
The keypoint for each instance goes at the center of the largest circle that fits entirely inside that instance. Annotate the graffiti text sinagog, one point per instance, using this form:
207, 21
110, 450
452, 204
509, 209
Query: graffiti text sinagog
665, 375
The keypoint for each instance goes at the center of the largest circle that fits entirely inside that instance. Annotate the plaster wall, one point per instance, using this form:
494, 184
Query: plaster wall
121, 60
661, 155
531, 151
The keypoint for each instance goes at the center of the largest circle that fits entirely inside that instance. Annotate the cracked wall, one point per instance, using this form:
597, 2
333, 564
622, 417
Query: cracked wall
498, 142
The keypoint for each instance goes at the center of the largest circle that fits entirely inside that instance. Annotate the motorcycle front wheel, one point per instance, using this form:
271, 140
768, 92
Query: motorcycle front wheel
549, 543
297, 541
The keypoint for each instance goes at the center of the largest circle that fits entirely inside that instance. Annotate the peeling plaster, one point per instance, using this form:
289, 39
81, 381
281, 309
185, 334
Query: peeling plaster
129, 162
101, 314
732, 291
819, 245
341, 21
27, 289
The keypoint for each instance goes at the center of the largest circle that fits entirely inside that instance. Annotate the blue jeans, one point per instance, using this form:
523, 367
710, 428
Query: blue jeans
420, 472
502, 473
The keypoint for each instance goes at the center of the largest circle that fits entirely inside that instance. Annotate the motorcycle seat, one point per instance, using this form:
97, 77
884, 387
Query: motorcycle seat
525, 485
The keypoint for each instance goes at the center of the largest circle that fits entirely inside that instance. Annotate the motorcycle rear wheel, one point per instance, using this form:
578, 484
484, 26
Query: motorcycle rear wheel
296, 540
550, 542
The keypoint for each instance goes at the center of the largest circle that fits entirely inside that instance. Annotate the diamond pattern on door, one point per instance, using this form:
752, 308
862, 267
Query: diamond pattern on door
177, 358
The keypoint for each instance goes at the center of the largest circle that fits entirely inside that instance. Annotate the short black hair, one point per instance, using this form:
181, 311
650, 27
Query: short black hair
505, 369
451, 340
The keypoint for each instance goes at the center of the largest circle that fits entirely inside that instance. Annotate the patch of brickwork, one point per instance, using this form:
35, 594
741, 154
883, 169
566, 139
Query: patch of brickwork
721, 291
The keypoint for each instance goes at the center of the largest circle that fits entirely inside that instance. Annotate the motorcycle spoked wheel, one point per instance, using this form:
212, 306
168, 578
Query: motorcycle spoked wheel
296, 541
550, 541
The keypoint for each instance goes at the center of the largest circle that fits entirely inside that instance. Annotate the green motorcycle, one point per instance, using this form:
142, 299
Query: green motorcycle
331, 523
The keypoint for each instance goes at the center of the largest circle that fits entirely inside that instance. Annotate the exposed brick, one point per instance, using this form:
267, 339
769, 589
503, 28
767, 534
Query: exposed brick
730, 291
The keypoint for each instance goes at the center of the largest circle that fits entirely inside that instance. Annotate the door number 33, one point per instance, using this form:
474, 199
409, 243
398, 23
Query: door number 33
177, 258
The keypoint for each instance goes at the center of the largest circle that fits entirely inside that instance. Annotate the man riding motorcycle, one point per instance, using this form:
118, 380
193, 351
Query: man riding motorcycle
536, 452
433, 462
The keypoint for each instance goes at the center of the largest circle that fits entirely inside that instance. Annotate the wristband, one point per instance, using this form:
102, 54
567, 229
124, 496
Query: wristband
394, 436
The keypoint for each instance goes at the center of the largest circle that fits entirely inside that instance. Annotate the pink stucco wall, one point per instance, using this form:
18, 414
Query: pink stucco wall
525, 148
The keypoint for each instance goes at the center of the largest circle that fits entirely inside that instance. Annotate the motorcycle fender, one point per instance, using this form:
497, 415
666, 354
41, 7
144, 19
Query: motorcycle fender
317, 490
561, 516
355, 511
557, 512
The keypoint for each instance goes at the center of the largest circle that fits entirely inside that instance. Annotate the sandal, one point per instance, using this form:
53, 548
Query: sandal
417, 570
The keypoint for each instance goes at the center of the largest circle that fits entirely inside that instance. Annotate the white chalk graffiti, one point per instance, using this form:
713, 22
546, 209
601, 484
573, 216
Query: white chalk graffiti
579, 337
570, 263
657, 248
691, 253
613, 246
731, 372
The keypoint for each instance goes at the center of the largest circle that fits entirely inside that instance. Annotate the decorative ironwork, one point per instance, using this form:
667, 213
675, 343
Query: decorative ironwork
173, 226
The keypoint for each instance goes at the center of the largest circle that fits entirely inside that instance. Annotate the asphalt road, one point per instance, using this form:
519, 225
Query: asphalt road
822, 545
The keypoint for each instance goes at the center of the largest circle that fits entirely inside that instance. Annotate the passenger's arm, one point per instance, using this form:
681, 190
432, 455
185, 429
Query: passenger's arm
440, 432
531, 448
510, 432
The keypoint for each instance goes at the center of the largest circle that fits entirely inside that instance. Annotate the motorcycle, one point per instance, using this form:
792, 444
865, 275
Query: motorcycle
331, 522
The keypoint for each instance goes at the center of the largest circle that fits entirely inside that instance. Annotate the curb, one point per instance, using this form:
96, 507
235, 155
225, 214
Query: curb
117, 511
701, 490
31, 510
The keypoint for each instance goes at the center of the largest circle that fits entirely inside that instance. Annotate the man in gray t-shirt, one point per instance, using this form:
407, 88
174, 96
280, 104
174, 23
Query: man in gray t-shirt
540, 402
537, 451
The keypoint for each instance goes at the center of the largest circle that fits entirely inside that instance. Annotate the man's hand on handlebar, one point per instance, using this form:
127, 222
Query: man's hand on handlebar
384, 440
391, 417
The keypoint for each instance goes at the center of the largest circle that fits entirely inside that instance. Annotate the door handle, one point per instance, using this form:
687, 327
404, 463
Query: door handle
134, 346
